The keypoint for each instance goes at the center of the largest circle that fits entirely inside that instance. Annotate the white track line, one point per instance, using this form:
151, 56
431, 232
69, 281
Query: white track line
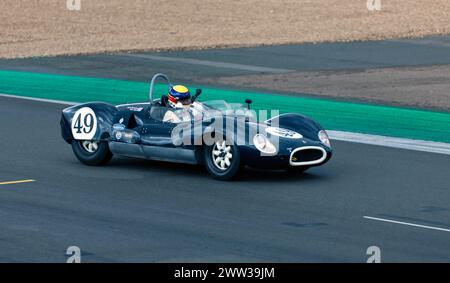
407, 223
62, 102
417, 145
214, 64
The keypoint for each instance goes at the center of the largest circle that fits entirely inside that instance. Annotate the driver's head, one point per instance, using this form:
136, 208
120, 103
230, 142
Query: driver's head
179, 96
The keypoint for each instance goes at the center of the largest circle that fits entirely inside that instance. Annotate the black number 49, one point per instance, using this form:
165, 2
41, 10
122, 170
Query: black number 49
86, 125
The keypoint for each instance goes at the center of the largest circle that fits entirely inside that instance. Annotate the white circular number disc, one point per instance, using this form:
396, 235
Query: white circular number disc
84, 124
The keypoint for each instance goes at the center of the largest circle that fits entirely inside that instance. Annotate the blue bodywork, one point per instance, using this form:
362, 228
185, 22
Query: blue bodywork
144, 136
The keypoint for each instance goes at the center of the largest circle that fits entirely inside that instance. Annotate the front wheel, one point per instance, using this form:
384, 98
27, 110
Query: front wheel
91, 152
222, 160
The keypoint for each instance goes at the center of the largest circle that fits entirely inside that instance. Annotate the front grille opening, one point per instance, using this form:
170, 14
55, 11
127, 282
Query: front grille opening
307, 155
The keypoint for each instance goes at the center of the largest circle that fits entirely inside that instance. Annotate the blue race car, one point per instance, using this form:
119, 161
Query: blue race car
221, 136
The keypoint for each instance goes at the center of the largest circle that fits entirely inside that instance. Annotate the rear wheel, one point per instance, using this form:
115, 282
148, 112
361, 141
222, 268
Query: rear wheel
91, 152
222, 160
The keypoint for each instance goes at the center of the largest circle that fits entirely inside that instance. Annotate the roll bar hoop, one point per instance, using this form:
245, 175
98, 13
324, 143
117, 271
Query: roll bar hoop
152, 84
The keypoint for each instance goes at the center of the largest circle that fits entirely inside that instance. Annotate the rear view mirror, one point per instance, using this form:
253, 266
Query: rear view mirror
198, 91
248, 102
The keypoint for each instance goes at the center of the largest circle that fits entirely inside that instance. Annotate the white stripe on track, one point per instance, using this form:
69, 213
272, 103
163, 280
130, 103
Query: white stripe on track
215, 64
418, 145
407, 223
62, 102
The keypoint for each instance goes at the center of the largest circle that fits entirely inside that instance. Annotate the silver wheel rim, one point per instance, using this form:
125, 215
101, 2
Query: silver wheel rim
90, 146
222, 155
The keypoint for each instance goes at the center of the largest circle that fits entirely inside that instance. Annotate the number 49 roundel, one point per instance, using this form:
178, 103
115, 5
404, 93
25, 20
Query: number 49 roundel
84, 124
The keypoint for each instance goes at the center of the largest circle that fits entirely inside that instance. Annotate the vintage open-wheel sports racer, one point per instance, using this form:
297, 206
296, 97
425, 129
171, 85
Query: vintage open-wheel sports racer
221, 136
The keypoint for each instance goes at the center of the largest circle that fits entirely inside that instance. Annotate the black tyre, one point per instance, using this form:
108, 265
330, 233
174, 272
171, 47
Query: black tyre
91, 153
222, 160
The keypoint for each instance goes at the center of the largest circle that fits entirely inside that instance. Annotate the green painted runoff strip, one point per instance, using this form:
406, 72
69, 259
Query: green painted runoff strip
333, 115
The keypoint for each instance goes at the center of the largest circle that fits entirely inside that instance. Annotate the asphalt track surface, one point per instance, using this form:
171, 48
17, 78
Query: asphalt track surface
137, 210
244, 61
